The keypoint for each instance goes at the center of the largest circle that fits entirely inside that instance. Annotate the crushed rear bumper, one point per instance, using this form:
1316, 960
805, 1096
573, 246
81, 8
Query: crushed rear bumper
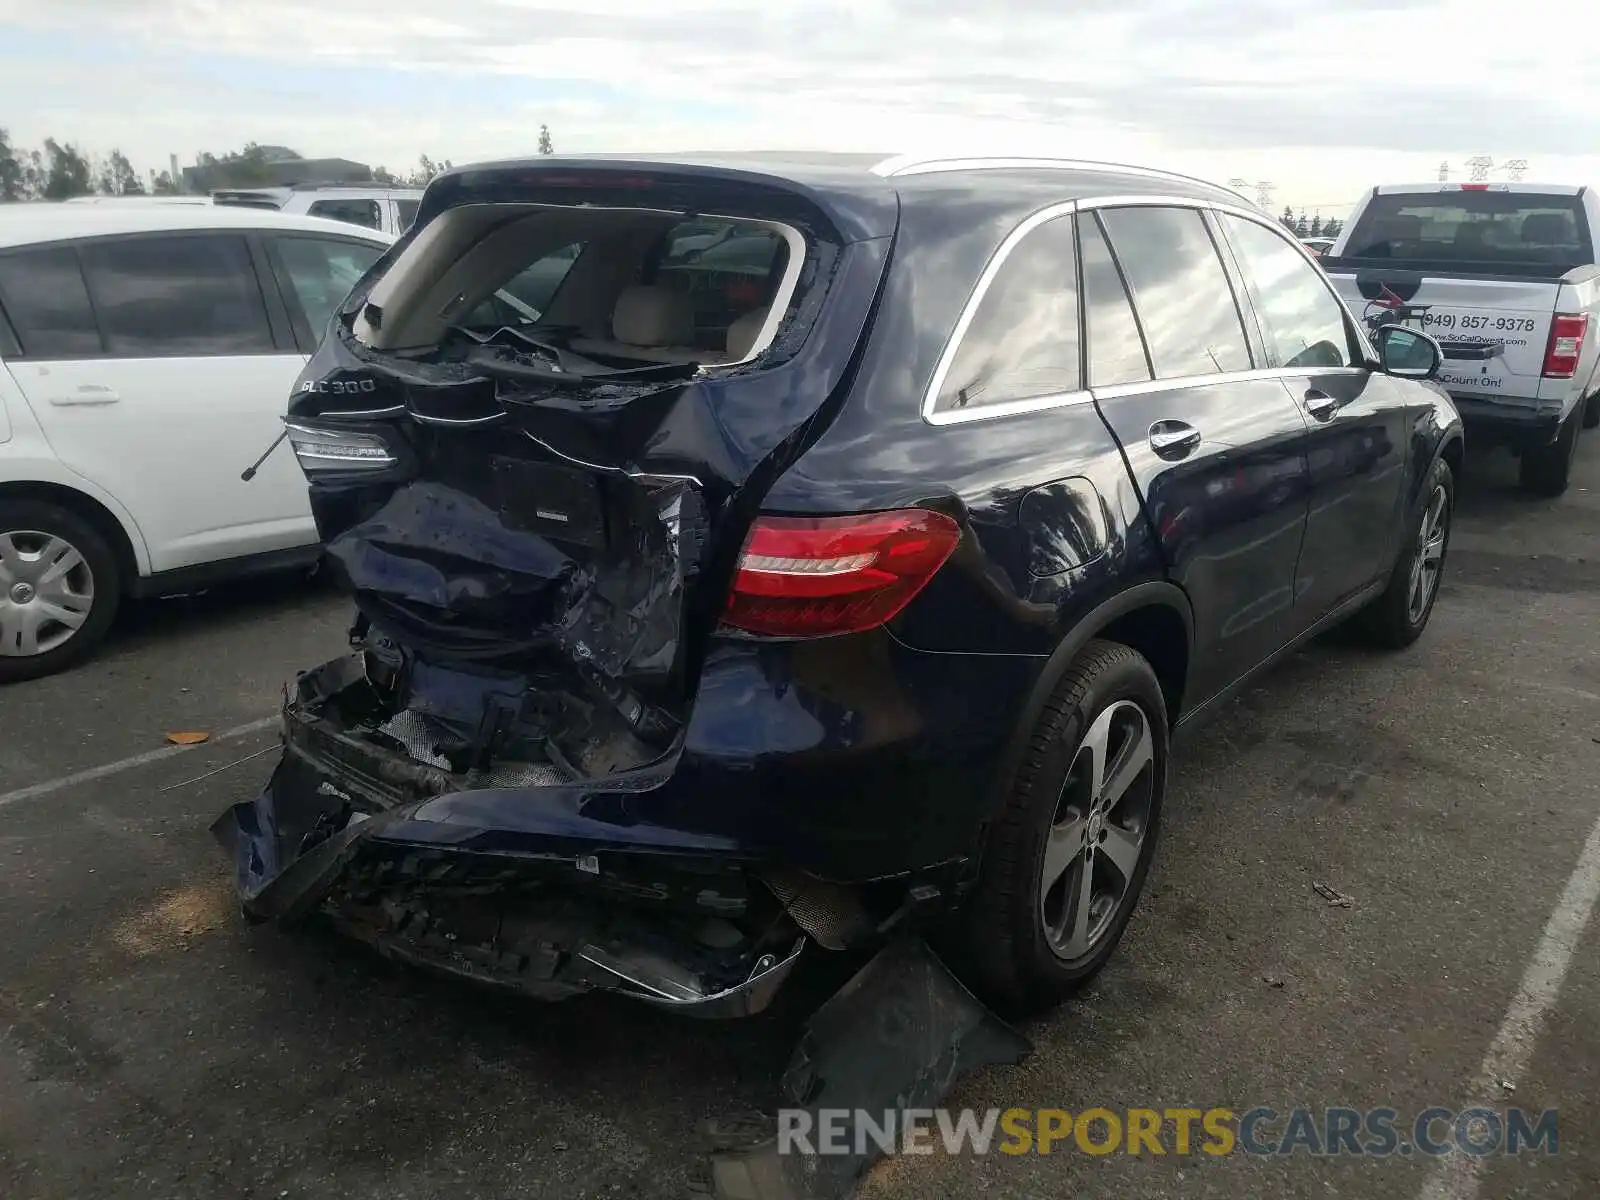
564, 902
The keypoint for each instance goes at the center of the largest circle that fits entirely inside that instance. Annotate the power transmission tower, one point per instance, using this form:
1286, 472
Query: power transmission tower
1515, 168
1479, 166
1444, 171
1264, 194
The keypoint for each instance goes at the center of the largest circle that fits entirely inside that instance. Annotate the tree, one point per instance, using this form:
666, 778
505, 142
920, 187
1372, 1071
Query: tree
118, 178
12, 176
1288, 217
1316, 225
383, 176
546, 146
68, 172
164, 184
249, 167
1302, 227
1332, 228
426, 170
34, 176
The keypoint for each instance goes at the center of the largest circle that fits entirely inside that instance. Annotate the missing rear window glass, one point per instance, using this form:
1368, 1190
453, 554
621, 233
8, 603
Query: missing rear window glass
576, 293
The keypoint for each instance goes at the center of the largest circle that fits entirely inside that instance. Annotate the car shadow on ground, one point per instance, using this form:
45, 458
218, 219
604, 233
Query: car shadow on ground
234, 604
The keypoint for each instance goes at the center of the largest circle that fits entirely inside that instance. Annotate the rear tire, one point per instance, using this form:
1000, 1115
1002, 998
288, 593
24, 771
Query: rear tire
1591, 412
1547, 470
59, 589
1397, 617
1034, 930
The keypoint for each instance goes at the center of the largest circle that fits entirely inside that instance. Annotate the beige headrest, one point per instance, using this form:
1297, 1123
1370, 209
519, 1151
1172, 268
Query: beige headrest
742, 333
653, 316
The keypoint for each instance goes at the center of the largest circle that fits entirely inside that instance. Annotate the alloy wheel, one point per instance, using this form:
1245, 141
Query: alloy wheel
1098, 830
1430, 554
46, 592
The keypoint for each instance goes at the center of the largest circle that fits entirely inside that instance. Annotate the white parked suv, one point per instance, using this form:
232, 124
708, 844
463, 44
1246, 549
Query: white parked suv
147, 354
387, 209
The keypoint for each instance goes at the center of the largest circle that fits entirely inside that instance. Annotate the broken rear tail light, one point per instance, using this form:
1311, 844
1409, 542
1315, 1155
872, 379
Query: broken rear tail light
1566, 345
816, 576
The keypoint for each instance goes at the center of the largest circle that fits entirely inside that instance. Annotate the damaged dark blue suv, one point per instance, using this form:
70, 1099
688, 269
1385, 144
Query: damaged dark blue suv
754, 556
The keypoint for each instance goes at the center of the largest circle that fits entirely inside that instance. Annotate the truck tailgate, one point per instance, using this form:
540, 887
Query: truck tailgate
1494, 331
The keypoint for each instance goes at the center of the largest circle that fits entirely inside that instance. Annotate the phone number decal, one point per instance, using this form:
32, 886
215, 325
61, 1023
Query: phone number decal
1468, 321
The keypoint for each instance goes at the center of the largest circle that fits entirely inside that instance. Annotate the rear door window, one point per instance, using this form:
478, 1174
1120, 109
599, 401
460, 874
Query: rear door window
47, 303
1022, 342
1477, 226
188, 295
1116, 347
1303, 322
318, 274
350, 211
1180, 289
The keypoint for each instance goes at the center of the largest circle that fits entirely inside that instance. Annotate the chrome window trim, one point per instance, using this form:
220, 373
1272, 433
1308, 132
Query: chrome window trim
1185, 382
1010, 408
930, 398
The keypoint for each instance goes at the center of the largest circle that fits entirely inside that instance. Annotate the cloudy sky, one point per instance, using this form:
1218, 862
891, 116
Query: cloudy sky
1321, 97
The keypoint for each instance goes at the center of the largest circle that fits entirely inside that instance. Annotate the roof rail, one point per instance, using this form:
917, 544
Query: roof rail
911, 164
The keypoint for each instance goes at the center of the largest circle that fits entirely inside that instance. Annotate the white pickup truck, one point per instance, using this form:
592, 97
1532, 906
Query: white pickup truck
1503, 275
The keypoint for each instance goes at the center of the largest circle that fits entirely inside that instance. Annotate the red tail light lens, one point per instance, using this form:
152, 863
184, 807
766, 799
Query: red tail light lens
816, 576
1566, 345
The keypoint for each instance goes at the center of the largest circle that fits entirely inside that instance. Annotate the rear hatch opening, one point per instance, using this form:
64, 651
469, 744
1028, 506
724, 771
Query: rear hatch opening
520, 471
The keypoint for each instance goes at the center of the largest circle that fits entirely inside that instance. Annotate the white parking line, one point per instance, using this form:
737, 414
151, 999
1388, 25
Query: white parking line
1457, 1177
34, 791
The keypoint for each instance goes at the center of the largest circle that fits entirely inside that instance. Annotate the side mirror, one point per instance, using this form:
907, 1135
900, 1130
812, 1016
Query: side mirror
1408, 353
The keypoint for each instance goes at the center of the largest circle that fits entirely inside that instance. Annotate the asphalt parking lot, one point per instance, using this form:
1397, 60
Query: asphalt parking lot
153, 1045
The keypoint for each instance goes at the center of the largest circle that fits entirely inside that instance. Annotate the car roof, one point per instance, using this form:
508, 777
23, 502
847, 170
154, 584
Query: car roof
26, 224
874, 171
859, 193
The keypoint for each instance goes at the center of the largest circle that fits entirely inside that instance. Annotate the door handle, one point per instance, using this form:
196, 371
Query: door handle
1320, 405
86, 394
1173, 439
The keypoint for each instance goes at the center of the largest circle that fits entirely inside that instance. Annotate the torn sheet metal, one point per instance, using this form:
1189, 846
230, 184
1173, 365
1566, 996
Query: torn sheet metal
892, 1040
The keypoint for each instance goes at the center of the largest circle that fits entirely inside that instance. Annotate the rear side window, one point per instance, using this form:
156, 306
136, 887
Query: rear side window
1303, 322
177, 296
1116, 348
1478, 227
726, 268
406, 212
1022, 342
352, 212
1180, 290
44, 297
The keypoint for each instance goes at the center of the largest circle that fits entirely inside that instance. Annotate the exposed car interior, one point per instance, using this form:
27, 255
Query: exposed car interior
620, 289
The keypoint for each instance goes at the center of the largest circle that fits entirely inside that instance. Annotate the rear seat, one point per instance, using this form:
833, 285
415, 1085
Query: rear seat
656, 325
649, 324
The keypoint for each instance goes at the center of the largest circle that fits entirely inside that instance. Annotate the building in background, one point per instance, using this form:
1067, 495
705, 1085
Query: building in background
270, 166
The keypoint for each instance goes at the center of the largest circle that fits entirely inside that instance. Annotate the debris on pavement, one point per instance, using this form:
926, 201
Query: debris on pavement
893, 1039
188, 738
1273, 981
224, 767
1334, 899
